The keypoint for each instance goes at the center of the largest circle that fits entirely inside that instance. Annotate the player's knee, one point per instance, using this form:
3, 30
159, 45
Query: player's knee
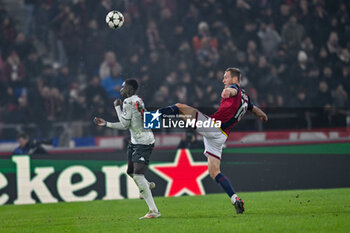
213, 173
140, 168
181, 106
129, 172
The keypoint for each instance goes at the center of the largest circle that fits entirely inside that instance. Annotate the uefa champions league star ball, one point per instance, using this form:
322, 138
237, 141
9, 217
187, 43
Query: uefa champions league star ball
114, 19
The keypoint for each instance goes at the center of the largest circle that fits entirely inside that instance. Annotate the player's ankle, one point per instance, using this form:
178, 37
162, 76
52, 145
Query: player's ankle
233, 198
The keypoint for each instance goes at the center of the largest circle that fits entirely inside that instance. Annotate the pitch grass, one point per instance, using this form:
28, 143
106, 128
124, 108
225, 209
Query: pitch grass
276, 211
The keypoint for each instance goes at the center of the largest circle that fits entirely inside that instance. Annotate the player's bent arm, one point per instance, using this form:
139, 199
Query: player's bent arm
103, 123
124, 121
116, 125
259, 113
228, 92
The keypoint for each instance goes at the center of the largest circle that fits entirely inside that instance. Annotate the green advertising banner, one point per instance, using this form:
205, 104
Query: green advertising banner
71, 176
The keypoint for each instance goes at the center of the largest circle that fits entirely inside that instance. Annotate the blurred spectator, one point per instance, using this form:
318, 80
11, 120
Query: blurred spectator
227, 52
153, 35
323, 98
301, 100
203, 37
324, 58
292, 33
329, 77
76, 105
333, 43
3, 93
113, 83
305, 17
63, 80
252, 48
320, 20
190, 141
207, 55
34, 61
184, 54
95, 93
177, 50
23, 46
307, 46
31, 8
250, 31
282, 17
101, 11
71, 34
270, 39
21, 113
94, 47
28, 146
340, 97
43, 18
48, 75
8, 35
49, 103
167, 27
156, 70
110, 61
345, 77
13, 71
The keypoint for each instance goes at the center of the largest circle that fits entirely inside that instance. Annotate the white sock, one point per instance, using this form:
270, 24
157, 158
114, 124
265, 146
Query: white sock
233, 198
143, 185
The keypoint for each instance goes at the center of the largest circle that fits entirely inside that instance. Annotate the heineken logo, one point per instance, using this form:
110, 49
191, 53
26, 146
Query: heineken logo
28, 184
50, 183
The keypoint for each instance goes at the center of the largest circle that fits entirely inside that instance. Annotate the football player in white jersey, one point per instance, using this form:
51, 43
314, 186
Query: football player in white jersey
142, 141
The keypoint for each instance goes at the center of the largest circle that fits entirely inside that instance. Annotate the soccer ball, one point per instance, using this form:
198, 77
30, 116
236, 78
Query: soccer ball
114, 19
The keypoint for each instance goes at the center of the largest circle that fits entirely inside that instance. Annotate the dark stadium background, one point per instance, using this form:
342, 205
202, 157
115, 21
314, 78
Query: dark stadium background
60, 66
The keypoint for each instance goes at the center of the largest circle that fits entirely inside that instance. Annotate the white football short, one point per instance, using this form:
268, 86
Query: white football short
214, 138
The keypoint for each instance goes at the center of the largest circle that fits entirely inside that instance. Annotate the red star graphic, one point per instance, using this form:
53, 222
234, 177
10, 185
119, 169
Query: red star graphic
184, 175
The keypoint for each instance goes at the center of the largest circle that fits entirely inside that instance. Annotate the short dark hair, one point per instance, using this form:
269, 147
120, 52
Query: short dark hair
133, 83
235, 72
22, 135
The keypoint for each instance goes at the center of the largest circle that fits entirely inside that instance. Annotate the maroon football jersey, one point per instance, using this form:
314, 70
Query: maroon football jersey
232, 109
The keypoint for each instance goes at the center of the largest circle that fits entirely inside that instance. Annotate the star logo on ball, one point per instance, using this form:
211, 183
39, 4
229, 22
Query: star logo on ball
184, 176
111, 18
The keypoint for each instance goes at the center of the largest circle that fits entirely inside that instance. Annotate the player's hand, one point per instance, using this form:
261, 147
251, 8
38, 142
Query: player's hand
99, 121
117, 102
264, 118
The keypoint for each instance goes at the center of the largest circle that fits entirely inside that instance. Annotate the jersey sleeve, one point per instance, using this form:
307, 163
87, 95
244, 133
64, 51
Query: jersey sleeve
125, 115
234, 86
250, 104
127, 111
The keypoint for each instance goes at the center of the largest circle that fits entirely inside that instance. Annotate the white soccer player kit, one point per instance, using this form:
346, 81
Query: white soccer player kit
130, 118
214, 138
140, 148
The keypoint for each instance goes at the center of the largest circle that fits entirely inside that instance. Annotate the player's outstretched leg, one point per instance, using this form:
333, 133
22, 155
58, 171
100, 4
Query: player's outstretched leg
170, 110
178, 108
224, 182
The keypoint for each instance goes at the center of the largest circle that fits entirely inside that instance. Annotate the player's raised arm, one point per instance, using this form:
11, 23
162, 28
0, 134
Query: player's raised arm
228, 92
259, 113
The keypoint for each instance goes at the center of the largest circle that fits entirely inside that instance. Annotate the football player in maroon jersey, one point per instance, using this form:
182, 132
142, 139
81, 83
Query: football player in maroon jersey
234, 104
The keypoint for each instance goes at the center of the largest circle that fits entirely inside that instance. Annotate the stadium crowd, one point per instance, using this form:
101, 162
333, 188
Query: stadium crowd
68, 65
